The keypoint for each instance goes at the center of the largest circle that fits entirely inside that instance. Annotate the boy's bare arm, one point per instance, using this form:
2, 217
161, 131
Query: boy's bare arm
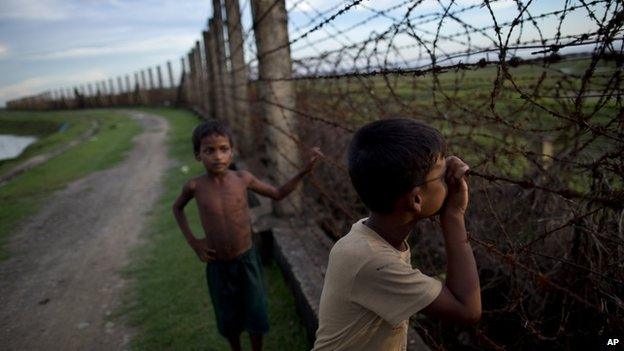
277, 194
200, 247
460, 299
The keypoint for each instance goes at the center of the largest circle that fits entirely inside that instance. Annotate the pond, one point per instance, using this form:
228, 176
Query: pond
12, 146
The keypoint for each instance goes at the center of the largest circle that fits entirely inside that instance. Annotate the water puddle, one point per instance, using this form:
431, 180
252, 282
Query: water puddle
12, 146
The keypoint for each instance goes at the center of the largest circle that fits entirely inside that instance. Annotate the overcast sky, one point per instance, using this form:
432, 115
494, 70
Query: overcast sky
48, 44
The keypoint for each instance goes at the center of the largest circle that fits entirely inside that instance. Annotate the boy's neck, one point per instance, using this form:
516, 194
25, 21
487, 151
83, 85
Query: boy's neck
218, 177
394, 227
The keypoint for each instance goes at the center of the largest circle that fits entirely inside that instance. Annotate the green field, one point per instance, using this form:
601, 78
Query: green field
502, 131
25, 194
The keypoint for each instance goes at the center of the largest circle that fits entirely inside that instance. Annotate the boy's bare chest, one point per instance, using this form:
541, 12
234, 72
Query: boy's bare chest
228, 196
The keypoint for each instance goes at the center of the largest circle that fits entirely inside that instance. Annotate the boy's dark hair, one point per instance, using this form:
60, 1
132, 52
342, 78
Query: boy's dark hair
387, 158
209, 127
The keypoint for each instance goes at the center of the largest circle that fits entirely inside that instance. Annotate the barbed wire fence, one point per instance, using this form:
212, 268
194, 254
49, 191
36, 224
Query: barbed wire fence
529, 93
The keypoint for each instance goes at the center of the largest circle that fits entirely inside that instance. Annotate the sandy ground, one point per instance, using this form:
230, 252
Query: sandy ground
61, 284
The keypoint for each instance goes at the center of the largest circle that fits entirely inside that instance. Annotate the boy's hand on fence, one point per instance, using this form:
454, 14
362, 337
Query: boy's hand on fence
202, 250
316, 155
457, 196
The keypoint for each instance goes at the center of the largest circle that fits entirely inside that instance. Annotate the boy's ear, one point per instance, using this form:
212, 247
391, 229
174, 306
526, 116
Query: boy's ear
414, 200
197, 156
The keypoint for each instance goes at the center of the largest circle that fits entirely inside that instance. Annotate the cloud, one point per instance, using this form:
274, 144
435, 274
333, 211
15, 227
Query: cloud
148, 10
3, 50
459, 4
55, 10
49, 10
307, 5
165, 43
503, 4
36, 85
322, 5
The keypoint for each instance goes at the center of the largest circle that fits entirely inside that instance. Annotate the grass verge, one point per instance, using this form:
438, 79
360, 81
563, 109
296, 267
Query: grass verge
23, 195
170, 306
45, 126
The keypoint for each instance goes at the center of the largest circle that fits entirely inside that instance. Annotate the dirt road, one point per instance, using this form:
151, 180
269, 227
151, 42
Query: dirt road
62, 281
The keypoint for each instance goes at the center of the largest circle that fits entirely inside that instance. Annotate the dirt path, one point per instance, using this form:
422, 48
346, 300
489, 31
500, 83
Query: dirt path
63, 279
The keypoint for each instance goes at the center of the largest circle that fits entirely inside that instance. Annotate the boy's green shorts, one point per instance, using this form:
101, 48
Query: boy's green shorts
238, 294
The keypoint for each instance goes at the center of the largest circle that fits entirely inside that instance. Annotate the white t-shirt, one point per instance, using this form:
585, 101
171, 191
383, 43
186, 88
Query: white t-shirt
370, 291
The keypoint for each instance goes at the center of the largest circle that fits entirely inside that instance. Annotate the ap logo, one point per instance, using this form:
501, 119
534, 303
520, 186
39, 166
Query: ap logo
613, 342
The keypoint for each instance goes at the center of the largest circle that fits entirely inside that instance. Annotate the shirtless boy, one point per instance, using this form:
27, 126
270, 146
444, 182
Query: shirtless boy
234, 272
400, 172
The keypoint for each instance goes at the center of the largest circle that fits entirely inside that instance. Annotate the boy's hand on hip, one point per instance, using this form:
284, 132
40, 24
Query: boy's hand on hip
316, 155
202, 250
457, 197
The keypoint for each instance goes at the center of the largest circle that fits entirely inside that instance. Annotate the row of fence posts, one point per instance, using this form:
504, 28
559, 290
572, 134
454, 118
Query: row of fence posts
214, 82
145, 91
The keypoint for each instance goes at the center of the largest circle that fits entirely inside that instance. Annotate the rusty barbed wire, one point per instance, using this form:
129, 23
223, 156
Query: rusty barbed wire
538, 115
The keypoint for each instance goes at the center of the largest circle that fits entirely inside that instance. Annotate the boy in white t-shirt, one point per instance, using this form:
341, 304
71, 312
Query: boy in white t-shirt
398, 169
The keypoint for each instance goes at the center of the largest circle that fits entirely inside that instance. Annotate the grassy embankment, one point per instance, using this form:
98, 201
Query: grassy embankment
170, 305
25, 194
